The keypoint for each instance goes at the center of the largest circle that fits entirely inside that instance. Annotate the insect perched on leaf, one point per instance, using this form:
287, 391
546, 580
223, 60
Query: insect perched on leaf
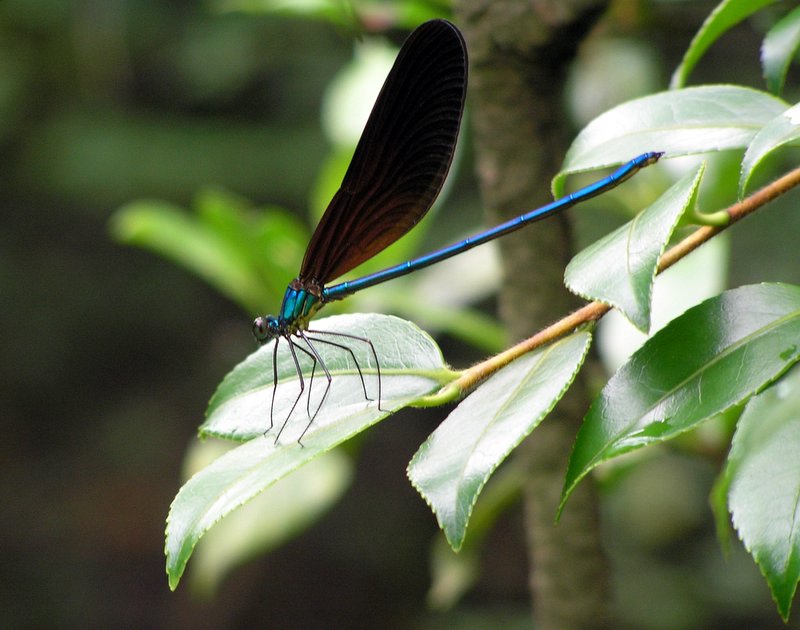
396, 173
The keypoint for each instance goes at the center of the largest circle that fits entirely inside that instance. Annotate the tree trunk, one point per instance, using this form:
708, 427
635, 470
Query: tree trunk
519, 54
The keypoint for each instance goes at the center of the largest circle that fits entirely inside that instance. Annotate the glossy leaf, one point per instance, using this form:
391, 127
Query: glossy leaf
763, 474
687, 283
411, 366
779, 48
781, 130
452, 466
727, 14
714, 356
679, 122
620, 268
269, 519
226, 484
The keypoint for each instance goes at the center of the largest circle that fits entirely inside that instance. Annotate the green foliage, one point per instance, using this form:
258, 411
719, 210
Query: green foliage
679, 122
453, 465
238, 251
411, 366
780, 46
620, 268
782, 130
727, 15
763, 479
731, 352
710, 359
406, 13
299, 499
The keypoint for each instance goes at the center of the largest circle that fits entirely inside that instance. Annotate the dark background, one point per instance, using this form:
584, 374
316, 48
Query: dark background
109, 354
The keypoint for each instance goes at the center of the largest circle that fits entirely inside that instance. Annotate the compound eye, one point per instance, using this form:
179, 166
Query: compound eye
262, 330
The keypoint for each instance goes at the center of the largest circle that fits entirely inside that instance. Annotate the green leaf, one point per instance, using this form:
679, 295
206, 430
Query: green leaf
271, 518
726, 15
718, 501
687, 283
714, 356
779, 48
239, 254
328, 179
171, 232
454, 573
780, 131
397, 13
620, 268
680, 122
763, 472
229, 482
333, 11
411, 366
452, 466
271, 241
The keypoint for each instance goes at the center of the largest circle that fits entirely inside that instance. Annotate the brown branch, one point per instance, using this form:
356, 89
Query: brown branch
595, 310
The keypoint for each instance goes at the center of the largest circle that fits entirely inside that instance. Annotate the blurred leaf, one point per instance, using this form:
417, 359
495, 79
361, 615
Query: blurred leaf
328, 180
169, 231
411, 366
242, 255
270, 239
454, 573
779, 48
763, 473
718, 500
709, 359
103, 157
402, 13
680, 122
270, 519
620, 268
726, 15
16, 83
450, 469
335, 11
595, 84
778, 132
352, 92
438, 297
348, 13
469, 325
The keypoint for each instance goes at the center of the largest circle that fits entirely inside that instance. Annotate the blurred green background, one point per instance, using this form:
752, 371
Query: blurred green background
110, 353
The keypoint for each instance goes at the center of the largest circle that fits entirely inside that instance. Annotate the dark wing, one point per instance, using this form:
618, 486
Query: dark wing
402, 158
